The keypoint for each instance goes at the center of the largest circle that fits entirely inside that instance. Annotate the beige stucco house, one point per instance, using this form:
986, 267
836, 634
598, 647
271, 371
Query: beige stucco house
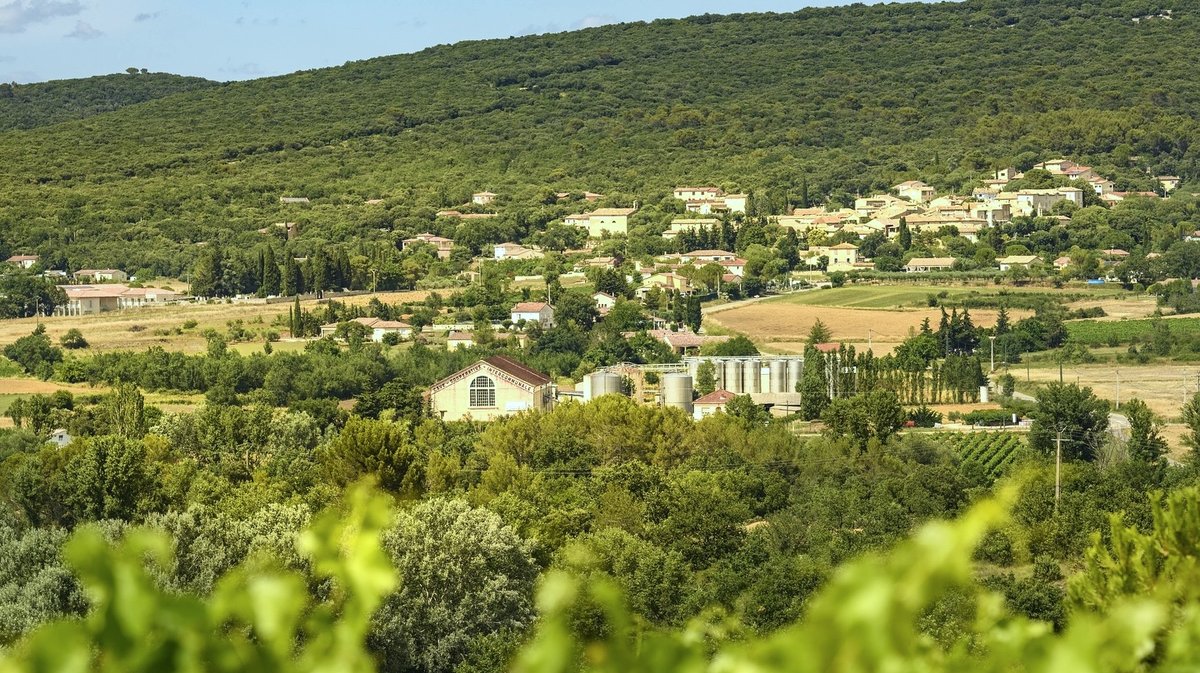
533, 312
491, 388
915, 191
602, 221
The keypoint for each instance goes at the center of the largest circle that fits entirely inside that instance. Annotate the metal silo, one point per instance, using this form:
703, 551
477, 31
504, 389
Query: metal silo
733, 376
677, 392
778, 380
753, 376
604, 383
795, 369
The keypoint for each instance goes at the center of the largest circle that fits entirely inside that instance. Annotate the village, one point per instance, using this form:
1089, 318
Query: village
829, 249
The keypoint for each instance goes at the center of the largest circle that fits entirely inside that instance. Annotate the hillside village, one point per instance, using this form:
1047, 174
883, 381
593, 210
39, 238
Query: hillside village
649, 268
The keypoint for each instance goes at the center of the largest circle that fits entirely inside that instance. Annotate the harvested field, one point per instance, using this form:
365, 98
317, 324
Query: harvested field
142, 328
1163, 387
784, 326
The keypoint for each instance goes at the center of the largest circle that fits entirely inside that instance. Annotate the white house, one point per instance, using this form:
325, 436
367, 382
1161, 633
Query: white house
377, 327
1168, 182
23, 261
102, 275
711, 403
483, 198
736, 203
928, 264
514, 251
1012, 261
698, 193
604, 301
456, 340
705, 256
915, 191
533, 312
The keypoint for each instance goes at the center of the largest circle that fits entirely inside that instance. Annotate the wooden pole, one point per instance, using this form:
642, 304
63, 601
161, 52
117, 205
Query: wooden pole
1057, 470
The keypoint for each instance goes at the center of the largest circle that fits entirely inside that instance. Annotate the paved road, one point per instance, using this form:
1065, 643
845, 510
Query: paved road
1118, 424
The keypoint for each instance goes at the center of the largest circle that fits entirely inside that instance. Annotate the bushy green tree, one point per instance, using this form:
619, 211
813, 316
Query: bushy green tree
466, 576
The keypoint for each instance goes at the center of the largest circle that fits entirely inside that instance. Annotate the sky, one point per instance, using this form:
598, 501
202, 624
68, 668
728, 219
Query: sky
243, 39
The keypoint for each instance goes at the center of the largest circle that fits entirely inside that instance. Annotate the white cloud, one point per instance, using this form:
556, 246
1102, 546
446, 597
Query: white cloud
146, 16
18, 15
594, 21
85, 31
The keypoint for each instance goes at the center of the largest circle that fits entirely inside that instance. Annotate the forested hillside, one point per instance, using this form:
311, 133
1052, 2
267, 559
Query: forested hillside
805, 106
26, 106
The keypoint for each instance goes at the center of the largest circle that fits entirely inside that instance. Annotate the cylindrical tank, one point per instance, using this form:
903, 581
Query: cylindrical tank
778, 382
718, 374
733, 376
795, 369
753, 376
677, 392
604, 383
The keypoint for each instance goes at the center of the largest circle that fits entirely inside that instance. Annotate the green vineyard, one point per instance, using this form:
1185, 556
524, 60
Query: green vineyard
993, 451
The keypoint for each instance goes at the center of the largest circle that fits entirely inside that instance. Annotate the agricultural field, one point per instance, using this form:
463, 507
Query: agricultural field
142, 328
992, 451
778, 326
1163, 387
1124, 332
913, 296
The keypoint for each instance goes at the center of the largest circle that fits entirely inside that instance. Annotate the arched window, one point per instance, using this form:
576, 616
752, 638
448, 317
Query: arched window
483, 392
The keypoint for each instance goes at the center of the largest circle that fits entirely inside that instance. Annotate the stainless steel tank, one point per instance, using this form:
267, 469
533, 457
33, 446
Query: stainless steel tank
677, 392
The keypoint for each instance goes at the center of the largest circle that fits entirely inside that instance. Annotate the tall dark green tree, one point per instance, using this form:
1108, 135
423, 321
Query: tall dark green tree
271, 277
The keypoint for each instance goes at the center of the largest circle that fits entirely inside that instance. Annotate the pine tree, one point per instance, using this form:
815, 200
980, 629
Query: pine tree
819, 333
1002, 323
206, 273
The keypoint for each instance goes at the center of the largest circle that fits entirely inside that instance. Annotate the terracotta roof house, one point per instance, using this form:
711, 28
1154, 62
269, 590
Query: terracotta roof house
490, 388
483, 198
707, 256
533, 312
711, 403
444, 245
927, 264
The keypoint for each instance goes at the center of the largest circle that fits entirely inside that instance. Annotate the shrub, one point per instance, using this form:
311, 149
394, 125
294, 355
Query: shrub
73, 340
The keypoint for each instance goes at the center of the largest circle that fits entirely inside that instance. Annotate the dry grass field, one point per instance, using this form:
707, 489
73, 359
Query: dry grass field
1163, 387
783, 326
138, 329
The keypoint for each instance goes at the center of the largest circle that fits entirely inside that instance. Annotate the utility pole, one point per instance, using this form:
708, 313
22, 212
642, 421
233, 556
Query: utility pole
1057, 469
992, 339
869, 333
1118, 388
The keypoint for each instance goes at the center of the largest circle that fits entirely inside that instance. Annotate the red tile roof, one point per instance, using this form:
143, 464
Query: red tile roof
716, 397
520, 371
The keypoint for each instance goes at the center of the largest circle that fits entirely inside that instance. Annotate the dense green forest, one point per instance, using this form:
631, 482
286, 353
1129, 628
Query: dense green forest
26, 106
804, 106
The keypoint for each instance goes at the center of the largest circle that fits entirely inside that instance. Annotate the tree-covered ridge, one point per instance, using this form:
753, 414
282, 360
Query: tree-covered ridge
837, 101
27, 106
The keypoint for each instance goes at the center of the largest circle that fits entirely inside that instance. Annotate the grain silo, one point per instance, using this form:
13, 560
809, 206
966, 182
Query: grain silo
604, 383
778, 379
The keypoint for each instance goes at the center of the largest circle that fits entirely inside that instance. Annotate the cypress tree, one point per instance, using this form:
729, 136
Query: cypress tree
270, 274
